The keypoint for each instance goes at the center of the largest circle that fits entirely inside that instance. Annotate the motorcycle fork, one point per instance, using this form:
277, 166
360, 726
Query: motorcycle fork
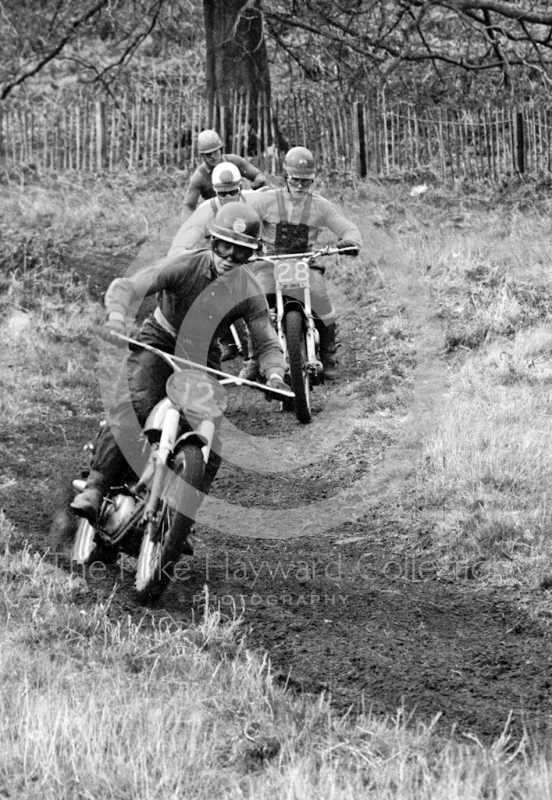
280, 320
314, 364
169, 435
311, 334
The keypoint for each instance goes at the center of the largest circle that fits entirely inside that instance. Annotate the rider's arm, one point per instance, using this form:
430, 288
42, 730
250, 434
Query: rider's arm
192, 197
255, 312
123, 292
248, 170
193, 232
340, 225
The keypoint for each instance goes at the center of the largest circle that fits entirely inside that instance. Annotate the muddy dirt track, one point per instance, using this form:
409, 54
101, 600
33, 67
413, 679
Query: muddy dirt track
328, 559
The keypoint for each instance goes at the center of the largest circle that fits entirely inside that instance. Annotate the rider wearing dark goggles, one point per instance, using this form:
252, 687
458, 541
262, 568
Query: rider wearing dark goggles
306, 182
228, 193
232, 252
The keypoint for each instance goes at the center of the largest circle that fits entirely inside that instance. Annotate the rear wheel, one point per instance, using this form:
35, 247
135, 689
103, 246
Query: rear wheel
298, 372
165, 537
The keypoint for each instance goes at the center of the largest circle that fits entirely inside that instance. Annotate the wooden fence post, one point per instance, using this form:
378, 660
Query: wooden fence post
100, 135
3, 141
359, 139
520, 142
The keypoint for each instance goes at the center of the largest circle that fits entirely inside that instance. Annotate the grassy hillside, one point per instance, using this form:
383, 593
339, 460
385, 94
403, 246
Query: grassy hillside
100, 700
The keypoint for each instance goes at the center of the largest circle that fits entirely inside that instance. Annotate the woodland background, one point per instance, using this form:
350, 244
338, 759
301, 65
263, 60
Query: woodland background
448, 88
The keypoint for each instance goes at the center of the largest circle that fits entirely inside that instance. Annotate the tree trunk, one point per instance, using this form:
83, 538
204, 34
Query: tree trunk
237, 64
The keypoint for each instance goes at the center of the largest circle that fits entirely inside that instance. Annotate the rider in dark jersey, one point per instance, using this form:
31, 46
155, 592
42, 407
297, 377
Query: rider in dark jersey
210, 146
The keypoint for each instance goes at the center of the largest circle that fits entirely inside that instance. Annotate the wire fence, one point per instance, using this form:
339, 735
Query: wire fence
368, 136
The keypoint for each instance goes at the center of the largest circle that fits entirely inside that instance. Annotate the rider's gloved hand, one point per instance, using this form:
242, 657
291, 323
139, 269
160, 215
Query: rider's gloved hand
259, 181
115, 323
276, 382
352, 247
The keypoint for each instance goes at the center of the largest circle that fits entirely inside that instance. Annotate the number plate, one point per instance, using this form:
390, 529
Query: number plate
197, 394
292, 274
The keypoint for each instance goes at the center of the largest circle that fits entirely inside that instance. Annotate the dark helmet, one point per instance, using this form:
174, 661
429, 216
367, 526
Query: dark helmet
299, 163
237, 223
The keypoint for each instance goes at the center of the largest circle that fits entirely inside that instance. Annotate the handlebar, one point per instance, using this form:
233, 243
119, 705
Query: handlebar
329, 250
174, 361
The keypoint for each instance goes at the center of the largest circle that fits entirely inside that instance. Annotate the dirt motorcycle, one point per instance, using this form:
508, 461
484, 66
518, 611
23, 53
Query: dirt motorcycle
152, 515
295, 324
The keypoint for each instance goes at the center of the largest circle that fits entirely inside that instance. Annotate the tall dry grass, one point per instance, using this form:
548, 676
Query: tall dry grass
92, 707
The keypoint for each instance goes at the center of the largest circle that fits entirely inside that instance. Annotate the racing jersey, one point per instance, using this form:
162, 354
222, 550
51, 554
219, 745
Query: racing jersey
322, 214
194, 231
193, 300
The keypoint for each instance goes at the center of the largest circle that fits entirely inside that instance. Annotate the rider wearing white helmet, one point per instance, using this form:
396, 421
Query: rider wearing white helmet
227, 184
196, 230
210, 147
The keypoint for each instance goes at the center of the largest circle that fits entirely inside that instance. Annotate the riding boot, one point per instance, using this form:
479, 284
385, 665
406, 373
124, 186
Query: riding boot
250, 369
328, 350
228, 347
246, 340
88, 503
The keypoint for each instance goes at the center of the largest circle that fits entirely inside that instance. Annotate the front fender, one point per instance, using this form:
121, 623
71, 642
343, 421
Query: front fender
292, 304
155, 419
202, 436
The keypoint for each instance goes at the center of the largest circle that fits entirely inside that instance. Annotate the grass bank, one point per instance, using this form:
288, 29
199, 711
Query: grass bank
96, 707
96, 704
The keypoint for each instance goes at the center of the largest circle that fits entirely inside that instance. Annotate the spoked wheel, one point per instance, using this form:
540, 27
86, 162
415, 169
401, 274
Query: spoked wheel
297, 355
89, 547
165, 537
83, 543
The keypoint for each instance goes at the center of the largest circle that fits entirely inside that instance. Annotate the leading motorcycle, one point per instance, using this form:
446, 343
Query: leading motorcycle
152, 515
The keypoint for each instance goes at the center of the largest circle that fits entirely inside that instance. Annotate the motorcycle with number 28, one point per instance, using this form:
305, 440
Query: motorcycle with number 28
151, 516
295, 324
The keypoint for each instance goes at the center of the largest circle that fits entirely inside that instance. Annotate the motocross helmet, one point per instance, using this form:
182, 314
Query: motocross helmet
299, 163
226, 177
208, 141
238, 224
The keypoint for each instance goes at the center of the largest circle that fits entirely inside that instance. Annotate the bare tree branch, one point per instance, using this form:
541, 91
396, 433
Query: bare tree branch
56, 49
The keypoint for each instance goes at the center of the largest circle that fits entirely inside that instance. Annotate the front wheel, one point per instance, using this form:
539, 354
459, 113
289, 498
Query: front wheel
298, 360
165, 536
83, 544
88, 547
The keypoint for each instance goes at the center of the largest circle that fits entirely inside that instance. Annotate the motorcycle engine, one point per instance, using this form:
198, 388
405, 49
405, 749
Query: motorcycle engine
119, 510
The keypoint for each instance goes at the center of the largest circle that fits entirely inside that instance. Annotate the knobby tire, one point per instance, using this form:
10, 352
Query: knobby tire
89, 547
157, 559
297, 357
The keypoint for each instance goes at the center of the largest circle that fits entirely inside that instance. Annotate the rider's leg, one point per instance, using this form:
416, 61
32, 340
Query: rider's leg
120, 442
325, 312
228, 347
264, 273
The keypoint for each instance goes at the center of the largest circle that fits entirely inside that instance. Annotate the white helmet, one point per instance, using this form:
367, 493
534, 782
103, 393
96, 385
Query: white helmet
226, 177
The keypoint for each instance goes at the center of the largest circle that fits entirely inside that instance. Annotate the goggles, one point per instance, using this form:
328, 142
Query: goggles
235, 252
306, 182
228, 193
